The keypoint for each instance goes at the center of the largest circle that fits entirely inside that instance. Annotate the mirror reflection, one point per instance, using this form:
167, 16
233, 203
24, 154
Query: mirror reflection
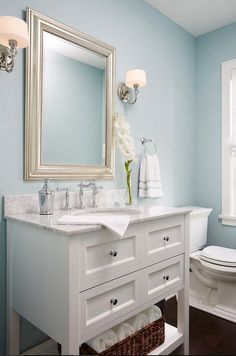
73, 98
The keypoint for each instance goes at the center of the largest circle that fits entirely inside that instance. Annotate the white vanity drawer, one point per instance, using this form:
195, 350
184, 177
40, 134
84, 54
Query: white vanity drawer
102, 304
164, 239
104, 257
163, 277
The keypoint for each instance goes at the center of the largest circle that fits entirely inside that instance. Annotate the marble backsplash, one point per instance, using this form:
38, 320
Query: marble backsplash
28, 203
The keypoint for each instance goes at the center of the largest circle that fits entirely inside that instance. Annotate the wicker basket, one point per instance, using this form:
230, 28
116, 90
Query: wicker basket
140, 343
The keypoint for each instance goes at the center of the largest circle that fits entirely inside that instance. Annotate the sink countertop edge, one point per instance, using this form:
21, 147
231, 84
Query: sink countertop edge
49, 222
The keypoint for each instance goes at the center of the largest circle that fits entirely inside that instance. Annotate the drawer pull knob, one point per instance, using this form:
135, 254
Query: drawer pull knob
114, 301
166, 238
166, 278
113, 253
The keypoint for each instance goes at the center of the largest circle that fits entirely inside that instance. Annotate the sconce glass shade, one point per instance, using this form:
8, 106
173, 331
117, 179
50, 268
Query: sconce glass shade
13, 28
136, 77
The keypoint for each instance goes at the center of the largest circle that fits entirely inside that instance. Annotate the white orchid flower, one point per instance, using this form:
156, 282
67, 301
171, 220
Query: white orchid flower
125, 143
124, 140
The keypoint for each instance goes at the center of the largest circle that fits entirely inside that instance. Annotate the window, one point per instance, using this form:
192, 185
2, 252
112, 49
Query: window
229, 142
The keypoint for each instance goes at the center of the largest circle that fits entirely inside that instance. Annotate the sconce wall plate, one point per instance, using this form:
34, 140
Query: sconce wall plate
7, 56
127, 95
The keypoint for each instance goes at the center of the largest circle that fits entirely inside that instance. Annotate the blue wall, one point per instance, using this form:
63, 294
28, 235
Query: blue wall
165, 110
212, 49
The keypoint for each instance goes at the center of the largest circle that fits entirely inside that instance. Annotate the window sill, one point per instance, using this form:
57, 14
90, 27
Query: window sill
228, 220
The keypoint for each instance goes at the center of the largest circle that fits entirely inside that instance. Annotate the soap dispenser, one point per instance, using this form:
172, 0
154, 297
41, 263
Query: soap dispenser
46, 198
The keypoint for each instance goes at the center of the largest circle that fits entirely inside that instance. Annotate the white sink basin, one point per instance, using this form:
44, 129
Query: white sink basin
108, 210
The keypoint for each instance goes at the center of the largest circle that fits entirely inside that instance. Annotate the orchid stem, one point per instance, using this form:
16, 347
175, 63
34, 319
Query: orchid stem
128, 179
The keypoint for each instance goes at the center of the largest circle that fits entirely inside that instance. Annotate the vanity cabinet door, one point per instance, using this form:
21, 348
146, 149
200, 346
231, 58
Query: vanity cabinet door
103, 304
164, 238
163, 277
103, 256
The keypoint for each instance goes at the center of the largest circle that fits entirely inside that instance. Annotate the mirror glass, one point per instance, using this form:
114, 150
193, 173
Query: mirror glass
69, 103
73, 110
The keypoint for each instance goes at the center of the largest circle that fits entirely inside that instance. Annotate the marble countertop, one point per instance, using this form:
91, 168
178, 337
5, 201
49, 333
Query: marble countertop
50, 222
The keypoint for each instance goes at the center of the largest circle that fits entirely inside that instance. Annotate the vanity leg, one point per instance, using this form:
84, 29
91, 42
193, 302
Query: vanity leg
70, 344
70, 348
13, 318
183, 298
13, 332
183, 321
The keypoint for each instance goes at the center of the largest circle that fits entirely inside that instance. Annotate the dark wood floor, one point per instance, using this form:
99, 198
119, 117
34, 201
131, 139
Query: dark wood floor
209, 335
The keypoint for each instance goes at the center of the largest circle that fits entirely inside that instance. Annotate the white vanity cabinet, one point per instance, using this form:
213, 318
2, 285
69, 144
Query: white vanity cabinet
76, 282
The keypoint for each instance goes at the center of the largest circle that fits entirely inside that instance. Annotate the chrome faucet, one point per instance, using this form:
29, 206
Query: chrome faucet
95, 190
67, 197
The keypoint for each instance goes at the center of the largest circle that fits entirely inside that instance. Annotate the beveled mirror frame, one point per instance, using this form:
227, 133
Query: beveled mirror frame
34, 168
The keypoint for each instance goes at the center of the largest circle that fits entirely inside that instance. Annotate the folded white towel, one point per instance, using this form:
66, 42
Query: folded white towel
115, 223
153, 313
123, 330
150, 178
138, 322
103, 341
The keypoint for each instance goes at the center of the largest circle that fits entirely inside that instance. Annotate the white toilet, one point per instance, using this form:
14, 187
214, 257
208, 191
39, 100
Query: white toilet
212, 270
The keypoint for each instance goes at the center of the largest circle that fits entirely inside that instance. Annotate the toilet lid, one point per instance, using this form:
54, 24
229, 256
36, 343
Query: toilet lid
219, 255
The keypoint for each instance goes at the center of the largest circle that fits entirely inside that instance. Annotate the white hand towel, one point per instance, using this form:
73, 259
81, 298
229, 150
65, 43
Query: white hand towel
103, 341
150, 178
115, 223
153, 313
138, 322
123, 330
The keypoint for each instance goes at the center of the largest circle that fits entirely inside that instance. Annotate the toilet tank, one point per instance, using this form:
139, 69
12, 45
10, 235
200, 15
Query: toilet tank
198, 227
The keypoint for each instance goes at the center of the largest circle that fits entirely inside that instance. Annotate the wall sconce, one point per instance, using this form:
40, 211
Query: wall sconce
13, 34
128, 91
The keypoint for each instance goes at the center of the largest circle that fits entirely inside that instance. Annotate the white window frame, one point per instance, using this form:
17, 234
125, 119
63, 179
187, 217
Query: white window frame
227, 216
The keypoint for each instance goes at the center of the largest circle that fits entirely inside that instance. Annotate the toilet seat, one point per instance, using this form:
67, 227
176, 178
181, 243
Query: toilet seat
217, 255
216, 270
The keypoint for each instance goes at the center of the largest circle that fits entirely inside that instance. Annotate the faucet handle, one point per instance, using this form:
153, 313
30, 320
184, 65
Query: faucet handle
96, 187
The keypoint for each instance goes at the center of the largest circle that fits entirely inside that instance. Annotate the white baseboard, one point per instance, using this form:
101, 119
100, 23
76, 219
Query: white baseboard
212, 309
48, 347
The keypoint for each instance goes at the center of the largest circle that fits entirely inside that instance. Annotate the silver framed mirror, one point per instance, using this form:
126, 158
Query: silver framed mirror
70, 85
